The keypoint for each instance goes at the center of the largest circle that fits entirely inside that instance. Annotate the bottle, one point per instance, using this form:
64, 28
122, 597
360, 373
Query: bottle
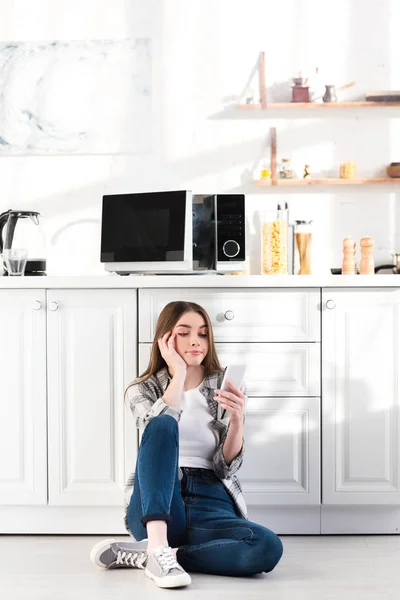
367, 265
287, 211
349, 256
283, 234
303, 236
290, 240
265, 172
285, 238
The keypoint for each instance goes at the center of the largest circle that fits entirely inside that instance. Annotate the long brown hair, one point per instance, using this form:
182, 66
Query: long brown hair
168, 318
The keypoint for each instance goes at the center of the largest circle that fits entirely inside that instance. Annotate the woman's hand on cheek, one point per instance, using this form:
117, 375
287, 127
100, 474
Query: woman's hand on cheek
167, 346
233, 402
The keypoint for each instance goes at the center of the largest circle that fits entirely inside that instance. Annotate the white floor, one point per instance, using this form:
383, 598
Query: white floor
329, 567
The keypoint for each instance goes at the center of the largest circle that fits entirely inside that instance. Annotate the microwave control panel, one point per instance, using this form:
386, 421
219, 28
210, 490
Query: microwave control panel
230, 221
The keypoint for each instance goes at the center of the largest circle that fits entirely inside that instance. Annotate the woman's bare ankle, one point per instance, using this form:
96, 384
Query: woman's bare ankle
156, 534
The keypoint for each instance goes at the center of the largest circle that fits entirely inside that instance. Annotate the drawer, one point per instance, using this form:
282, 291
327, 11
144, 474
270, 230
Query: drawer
249, 315
271, 369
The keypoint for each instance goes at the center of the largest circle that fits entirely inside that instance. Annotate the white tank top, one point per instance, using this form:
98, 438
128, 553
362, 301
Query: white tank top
197, 440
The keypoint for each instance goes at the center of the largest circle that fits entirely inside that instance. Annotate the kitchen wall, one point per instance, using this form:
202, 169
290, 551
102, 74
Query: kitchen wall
203, 53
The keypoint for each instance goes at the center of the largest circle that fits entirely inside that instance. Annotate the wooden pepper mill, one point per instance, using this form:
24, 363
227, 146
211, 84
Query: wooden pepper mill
349, 256
367, 265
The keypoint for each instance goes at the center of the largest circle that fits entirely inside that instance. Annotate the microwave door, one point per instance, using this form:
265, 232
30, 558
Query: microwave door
147, 232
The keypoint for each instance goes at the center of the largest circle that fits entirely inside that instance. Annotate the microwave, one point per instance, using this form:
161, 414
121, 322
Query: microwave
173, 232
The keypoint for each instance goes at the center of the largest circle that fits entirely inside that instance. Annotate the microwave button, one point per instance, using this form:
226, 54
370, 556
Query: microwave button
231, 248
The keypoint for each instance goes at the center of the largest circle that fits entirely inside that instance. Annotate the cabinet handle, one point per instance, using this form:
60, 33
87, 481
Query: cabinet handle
53, 305
331, 304
229, 315
37, 305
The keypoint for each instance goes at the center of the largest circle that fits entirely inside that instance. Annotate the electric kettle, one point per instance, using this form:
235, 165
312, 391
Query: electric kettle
21, 229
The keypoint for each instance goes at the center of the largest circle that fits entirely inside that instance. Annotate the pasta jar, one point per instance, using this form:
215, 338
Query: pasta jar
303, 241
274, 229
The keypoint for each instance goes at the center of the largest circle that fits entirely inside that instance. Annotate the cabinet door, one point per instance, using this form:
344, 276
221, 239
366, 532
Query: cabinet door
242, 315
281, 465
360, 396
91, 359
23, 438
271, 369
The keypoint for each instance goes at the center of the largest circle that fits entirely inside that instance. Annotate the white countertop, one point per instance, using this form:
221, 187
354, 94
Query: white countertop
201, 281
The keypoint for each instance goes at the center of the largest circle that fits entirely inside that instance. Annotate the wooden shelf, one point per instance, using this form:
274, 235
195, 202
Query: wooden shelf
328, 181
263, 106
312, 105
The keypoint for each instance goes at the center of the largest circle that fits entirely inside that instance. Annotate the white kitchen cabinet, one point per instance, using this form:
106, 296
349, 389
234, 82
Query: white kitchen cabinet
271, 369
282, 457
360, 397
242, 315
68, 445
23, 437
91, 349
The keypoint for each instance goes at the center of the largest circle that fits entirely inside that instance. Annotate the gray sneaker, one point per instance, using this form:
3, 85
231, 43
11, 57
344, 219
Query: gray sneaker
164, 570
111, 554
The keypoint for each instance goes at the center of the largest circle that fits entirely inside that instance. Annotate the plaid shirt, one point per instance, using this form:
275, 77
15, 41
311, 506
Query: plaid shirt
145, 400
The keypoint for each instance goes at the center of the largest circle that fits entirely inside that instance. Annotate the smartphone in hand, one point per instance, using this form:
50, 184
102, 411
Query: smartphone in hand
235, 374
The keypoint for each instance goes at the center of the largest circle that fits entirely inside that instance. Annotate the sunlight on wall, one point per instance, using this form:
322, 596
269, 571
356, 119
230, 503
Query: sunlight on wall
321, 38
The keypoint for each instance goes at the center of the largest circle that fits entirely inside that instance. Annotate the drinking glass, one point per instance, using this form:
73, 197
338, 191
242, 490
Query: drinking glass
15, 260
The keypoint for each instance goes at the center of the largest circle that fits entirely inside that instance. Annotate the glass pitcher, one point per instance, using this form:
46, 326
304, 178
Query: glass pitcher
303, 243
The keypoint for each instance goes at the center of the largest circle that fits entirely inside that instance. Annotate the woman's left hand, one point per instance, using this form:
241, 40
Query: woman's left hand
233, 402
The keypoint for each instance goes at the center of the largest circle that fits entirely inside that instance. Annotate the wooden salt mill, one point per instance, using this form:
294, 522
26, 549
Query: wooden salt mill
349, 257
367, 265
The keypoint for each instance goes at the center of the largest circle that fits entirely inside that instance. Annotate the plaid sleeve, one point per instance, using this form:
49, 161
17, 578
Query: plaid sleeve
222, 470
145, 404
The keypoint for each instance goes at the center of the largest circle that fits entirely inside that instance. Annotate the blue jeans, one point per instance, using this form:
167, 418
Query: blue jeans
201, 517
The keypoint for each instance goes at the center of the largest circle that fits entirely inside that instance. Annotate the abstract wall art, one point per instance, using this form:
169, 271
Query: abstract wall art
75, 97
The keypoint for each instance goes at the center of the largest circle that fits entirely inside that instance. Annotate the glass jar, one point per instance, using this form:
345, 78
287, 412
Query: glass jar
265, 172
348, 170
303, 242
274, 254
285, 170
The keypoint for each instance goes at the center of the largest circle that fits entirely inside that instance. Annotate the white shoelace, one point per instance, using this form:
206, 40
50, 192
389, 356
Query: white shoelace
130, 559
166, 558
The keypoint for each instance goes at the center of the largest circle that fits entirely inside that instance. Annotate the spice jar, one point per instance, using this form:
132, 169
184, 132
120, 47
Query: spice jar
274, 228
348, 170
265, 172
303, 242
285, 169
